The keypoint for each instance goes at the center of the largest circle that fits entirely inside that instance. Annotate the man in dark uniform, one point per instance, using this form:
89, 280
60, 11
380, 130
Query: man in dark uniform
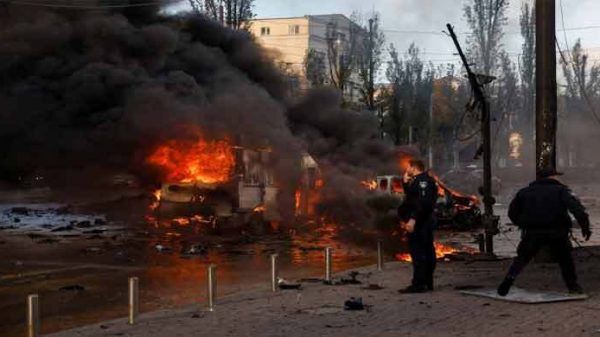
541, 211
417, 212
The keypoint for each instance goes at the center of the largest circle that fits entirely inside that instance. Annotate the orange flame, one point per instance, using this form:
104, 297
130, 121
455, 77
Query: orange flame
208, 162
441, 251
371, 185
157, 195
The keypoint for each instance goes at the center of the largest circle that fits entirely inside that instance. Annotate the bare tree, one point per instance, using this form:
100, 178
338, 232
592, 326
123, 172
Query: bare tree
486, 19
235, 14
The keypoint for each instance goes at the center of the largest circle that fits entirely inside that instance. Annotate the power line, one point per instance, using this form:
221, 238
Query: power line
577, 75
58, 5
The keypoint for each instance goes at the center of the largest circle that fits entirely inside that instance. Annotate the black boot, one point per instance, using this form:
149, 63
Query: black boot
413, 289
504, 287
575, 289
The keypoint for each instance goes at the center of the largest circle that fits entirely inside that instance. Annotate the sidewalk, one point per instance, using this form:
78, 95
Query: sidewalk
317, 310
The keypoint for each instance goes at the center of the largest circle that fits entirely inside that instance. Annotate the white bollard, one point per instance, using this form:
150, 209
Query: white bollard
33, 315
212, 286
328, 262
134, 300
274, 272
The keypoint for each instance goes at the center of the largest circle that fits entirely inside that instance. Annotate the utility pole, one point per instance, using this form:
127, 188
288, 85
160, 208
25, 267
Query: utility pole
431, 127
371, 69
490, 221
546, 88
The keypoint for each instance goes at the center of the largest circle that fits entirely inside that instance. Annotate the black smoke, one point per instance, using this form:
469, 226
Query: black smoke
101, 89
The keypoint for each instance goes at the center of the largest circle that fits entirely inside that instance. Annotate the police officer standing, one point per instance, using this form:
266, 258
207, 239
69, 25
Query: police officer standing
541, 211
417, 212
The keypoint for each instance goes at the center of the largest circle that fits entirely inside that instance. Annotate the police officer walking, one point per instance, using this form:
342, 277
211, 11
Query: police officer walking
541, 211
417, 212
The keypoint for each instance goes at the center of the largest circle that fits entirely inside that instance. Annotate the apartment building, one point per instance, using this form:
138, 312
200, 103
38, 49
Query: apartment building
290, 39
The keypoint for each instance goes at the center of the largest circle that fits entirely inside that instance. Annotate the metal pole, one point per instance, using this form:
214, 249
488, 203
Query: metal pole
134, 299
274, 272
488, 199
489, 220
212, 286
328, 261
33, 315
379, 255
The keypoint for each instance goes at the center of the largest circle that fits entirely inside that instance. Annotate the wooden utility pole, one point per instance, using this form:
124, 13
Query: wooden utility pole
371, 68
546, 89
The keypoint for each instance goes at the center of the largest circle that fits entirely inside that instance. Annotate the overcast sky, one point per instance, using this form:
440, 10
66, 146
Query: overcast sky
432, 16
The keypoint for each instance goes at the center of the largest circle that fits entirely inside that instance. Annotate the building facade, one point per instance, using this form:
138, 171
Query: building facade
328, 37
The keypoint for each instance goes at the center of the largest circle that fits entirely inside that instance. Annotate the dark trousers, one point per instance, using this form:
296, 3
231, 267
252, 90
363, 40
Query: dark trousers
560, 248
422, 252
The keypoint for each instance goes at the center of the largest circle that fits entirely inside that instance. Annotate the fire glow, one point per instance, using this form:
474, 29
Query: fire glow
200, 161
441, 251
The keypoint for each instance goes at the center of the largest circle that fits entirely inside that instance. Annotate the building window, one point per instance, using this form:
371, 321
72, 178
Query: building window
294, 30
265, 31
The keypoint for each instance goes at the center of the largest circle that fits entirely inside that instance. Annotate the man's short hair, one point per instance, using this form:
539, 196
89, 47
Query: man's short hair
417, 163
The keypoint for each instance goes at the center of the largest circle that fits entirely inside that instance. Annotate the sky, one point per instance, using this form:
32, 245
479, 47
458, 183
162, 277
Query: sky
401, 18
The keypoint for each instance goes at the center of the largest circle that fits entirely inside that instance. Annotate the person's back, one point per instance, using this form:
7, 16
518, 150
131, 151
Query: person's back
544, 206
541, 210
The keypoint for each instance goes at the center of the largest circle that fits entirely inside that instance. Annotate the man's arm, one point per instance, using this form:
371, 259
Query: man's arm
578, 210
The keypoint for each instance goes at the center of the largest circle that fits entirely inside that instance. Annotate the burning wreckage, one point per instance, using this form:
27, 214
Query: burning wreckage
220, 180
453, 210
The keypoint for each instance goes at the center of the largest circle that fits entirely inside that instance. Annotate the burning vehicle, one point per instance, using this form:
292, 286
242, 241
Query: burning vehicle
453, 210
219, 180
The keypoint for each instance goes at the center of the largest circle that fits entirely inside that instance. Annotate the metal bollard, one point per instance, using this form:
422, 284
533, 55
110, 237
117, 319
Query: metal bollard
481, 242
134, 300
274, 272
379, 255
212, 286
328, 262
33, 315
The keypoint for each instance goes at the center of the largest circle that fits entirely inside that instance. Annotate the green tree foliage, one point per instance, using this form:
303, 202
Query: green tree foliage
408, 101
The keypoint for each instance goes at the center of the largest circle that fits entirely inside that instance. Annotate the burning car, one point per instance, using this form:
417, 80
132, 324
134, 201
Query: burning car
454, 209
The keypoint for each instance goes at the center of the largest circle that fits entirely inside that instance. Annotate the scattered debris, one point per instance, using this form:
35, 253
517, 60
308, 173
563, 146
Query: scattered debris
83, 224
352, 280
354, 304
20, 210
197, 249
286, 285
93, 250
63, 229
95, 231
163, 249
75, 287
3, 228
373, 286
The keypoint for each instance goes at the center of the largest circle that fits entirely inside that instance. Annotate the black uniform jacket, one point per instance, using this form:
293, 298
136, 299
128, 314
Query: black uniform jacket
545, 205
421, 196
